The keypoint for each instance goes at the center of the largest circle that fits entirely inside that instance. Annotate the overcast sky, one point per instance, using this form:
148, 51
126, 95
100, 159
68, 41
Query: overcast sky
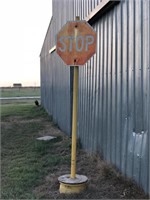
23, 26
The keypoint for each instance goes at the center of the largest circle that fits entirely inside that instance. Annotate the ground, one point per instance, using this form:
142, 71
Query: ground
30, 168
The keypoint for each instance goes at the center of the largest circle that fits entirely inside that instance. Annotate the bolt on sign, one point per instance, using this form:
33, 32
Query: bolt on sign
76, 42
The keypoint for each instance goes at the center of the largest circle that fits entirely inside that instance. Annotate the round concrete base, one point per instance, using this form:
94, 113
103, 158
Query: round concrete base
72, 185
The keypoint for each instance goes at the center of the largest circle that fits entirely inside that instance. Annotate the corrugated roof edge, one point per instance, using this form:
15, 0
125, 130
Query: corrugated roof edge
103, 7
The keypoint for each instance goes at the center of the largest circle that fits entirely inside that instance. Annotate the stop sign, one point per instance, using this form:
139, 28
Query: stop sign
76, 42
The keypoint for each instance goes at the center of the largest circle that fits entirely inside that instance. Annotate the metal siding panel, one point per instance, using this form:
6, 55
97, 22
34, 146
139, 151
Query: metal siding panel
91, 104
86, 8
93, 66
84, 105
118, 84
116, 133
108, 155
88, 105
129, 164
96, 90
111, 74
51, 86
137, 156
95, 107
94, 147
138, 108
138, 99
92, 4
120, 64
77, 8
145, 63
104, 113
144, 175
80, 107
142, 69
147, 186
148, 115
101, 90
79, 117
80, 10
113, 131
124, 87
96, 124
114, 86
89, 6
83, 9
107, 76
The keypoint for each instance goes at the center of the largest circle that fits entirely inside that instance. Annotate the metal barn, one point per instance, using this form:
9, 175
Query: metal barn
114, 85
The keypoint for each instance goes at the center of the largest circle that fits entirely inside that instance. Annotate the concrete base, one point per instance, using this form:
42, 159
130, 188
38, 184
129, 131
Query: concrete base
72, 185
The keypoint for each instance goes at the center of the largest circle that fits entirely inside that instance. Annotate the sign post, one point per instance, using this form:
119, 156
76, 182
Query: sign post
75, 44
74, 121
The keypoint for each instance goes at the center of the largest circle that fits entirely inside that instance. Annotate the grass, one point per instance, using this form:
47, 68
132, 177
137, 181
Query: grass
20, 92
24, 110
25, 160
30, 168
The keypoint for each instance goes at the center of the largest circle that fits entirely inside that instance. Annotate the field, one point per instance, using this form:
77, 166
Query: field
8, 95
30, 168
20, 92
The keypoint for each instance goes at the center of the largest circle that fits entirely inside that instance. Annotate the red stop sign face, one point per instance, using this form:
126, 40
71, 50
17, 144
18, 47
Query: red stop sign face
76, 42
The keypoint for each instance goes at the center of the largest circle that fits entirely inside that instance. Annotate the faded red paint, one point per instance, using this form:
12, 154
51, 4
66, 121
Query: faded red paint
76, 43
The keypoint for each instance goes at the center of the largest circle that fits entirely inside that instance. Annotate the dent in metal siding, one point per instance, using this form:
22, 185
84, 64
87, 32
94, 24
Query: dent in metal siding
114, 85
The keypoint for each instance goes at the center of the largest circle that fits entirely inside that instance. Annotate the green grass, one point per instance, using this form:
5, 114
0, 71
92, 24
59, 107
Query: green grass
25, 110
26, 161
20, 92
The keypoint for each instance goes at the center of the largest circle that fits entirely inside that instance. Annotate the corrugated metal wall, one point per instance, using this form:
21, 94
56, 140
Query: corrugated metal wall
114, 85
55, 77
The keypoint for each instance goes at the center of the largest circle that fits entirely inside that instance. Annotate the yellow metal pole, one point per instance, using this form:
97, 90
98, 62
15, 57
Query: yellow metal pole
74, 117
74, 121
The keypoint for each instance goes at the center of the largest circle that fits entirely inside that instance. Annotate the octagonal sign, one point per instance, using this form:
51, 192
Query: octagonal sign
76, 42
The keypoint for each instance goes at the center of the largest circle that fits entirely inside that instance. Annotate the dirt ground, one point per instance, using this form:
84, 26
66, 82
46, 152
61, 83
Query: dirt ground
104, 181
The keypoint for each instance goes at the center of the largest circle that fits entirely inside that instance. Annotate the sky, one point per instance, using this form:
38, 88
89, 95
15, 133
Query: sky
23, 26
